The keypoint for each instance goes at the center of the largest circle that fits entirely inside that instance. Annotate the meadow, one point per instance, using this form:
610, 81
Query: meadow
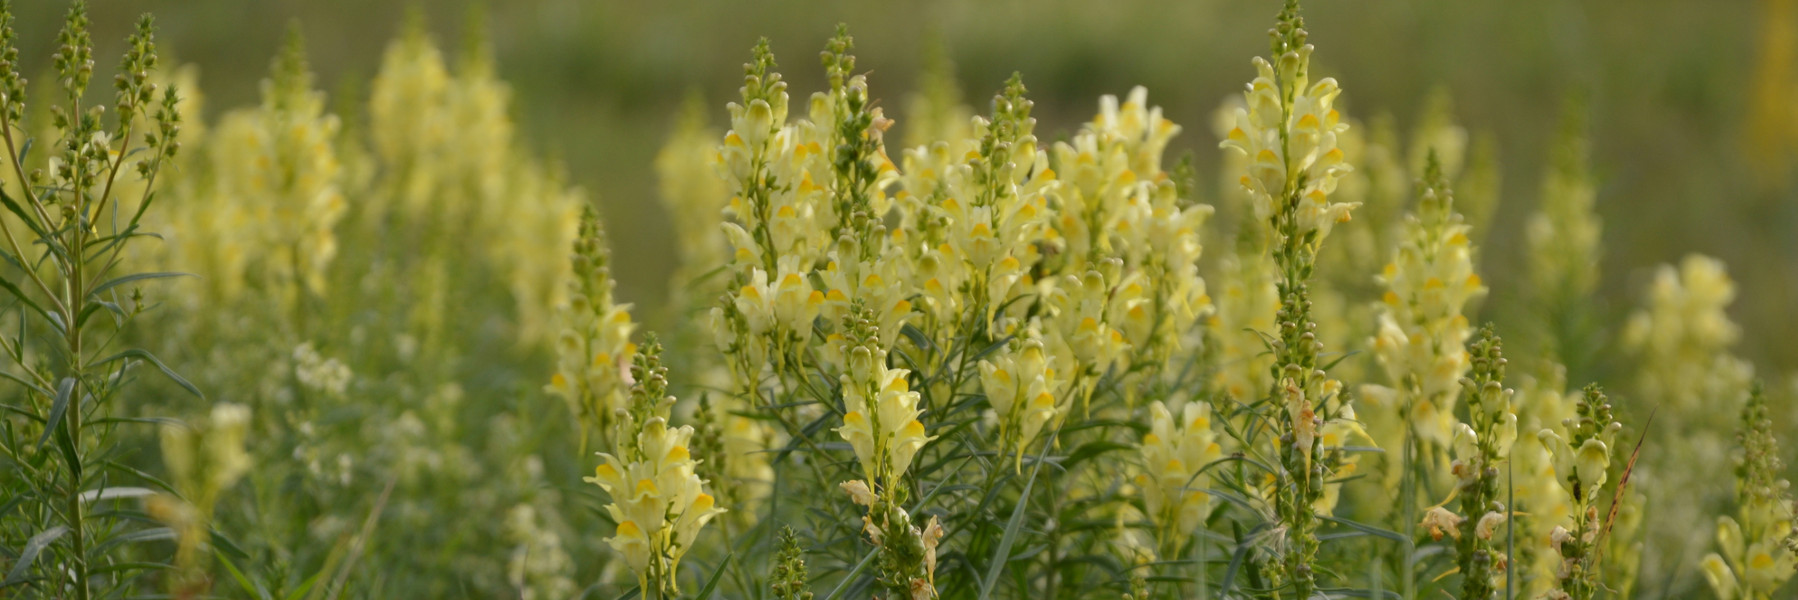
342, 335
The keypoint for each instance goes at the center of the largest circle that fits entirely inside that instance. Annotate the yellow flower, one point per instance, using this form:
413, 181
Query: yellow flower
1438, 520
1174, 454
1265, 131
657, 500
883, 413
1023, 390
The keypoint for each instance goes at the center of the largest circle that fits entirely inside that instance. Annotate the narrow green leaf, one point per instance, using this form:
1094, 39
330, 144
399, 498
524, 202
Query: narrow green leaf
140, 353
147, 535
27, 383
64, 390
7, 284
115, 493
1002, 554
19, 211
28, 555
705, 593
1365, 528
118, 281
254, 589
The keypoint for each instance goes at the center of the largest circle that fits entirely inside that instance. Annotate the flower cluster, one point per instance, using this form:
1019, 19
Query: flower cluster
1582, 454
1423, 330
1481, 446
658, 502
1759, 544
594, 349
1175, 454
203, 458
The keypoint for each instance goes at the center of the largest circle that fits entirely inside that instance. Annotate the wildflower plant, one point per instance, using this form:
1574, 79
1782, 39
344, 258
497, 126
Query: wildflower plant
1481, 445
68, 224
1288, 131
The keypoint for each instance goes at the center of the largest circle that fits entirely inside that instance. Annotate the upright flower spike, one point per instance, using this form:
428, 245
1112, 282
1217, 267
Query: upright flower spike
1542, 505
1562, 240
279, 162
865, 263
882, 423
594, 349
882, 427
1680, 341
1422, 332
1287, 131
1759, 544
204, 458
695, 197
1582, 459
1120, 222
996, 206
657, 499
1482, 444
789, 579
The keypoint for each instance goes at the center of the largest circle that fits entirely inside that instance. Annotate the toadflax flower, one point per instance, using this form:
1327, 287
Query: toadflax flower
1291, 146
1024, 390
882, 423
1173, 485
658, 501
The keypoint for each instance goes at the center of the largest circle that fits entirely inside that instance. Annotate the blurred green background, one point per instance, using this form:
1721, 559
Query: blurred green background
598, 85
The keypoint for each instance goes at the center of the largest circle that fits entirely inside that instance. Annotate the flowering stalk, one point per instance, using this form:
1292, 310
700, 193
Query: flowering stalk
658, 501
1175, 454
1288, 132
1481, 445
73, 224
594, 347
883, 428
204, 458
1582, 460
789, 569
1760, 544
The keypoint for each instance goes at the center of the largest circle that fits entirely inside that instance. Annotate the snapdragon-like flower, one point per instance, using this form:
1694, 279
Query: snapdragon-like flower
1288, 133
457, 186
1541, 503
882, 427
1115, 203
1683, 334
279, 161
882, 423
996, 207
1175, 452
1025, 392
1246, 304
783, 307
204, 458
694, 195
1680, 340
1481, 445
